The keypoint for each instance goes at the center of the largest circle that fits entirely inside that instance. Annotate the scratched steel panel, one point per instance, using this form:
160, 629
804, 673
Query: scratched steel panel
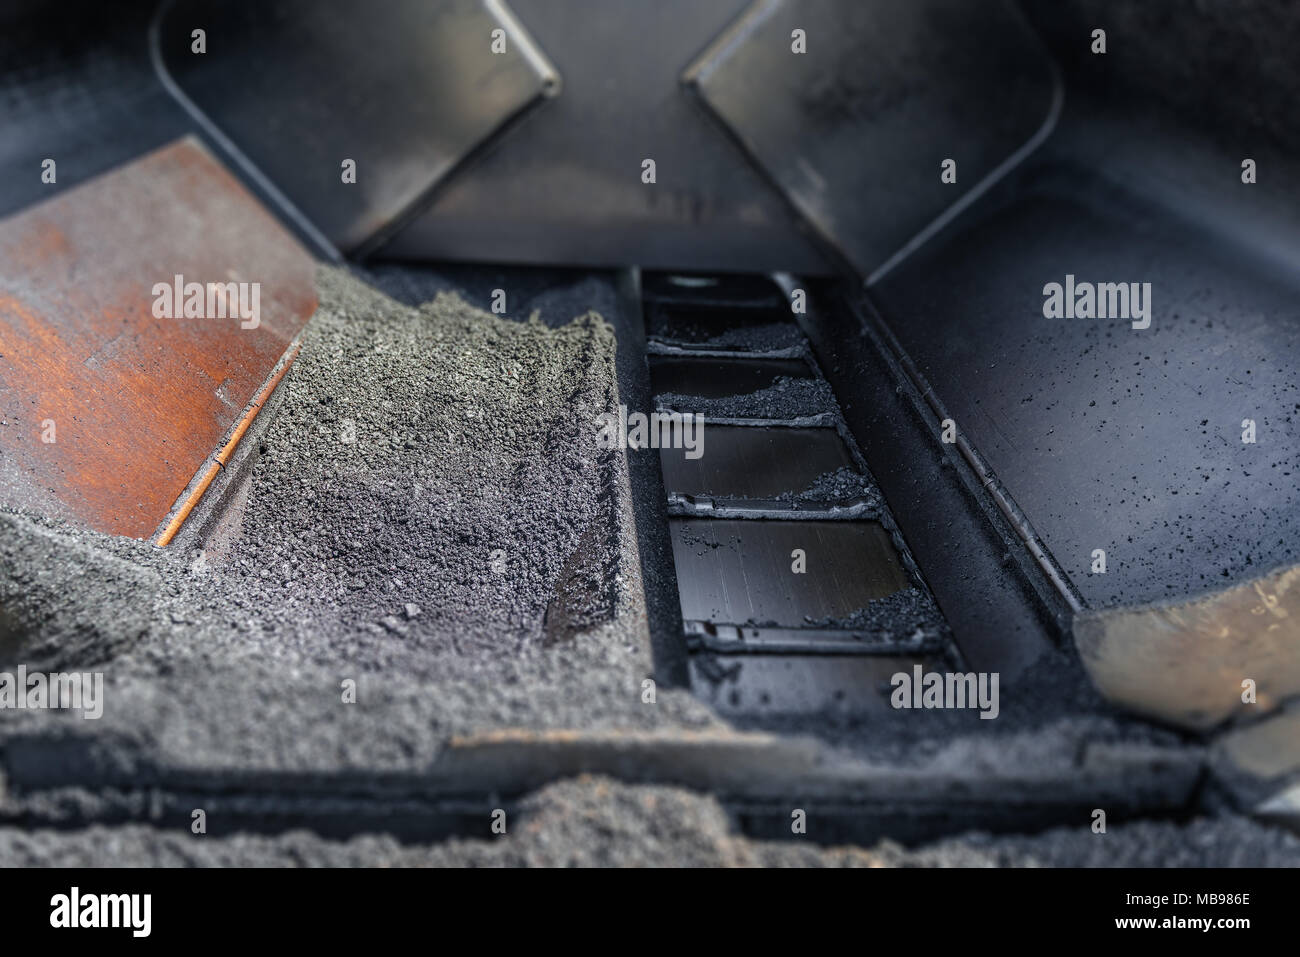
739, 572
714, 378
855, 129
406, 88
138, 402
745, 461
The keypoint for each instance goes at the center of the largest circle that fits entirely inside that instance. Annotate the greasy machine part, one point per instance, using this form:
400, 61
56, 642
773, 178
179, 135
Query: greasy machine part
784, 550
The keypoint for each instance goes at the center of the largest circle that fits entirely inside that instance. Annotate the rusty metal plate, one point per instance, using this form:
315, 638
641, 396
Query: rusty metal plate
135, 402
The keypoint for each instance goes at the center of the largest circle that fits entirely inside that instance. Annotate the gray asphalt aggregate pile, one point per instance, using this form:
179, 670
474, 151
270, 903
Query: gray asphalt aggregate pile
422, 512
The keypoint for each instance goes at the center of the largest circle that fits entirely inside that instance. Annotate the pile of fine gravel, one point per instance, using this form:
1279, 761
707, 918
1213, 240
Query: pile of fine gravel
426, 483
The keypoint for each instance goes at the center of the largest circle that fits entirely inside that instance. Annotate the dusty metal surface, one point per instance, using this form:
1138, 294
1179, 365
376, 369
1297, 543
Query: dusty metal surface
1111, 437
720, 329
1187, 663
423, 88
137, 401
437, 719
781, 542
855, 129
742, 572
1000, 614
1161, 111
712, 378
754, 461
788, 686
77, 88
566, 187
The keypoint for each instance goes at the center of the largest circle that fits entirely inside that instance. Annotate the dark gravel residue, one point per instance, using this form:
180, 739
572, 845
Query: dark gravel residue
898, 616
785, 398
842, 485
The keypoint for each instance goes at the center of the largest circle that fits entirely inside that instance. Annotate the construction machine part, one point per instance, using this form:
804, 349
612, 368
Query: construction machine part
357, 152
710, 377
796, 686
113, 390
1122, 434
78, 95
450, 721
894, 479
738, 572
1003, 615
1199, 663
781, 543
567, 187
753, 462
890, 118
